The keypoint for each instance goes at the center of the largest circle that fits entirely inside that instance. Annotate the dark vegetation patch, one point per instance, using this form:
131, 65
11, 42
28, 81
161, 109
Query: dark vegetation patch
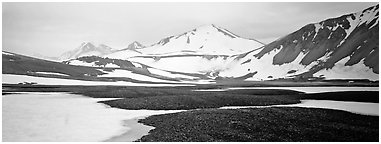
262, 125
291, 71
356, 96
99, 61
247, 61
200, 100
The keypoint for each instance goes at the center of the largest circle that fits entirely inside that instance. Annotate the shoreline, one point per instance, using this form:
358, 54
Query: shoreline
136, 131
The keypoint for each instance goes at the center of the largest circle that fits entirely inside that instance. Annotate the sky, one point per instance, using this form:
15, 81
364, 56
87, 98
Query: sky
51, 29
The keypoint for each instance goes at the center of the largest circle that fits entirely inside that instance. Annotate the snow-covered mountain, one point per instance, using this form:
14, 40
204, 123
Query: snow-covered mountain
131, 51
134, 45
338, 48
87, 49
204, 50
345, 47
205, 40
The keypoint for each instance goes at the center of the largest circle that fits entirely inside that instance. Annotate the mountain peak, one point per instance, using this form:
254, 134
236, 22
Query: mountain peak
212, 28
86, 43
135, 45
87, 49
86, 46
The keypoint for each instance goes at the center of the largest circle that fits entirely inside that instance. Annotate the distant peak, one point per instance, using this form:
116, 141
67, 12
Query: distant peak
86, 45
135, 45
215, 28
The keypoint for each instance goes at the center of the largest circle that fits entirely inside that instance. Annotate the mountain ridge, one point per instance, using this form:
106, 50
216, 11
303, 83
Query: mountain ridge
342, 47
87, 49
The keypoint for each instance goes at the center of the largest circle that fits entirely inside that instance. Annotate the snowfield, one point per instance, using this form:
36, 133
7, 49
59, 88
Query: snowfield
60, 117
187, 64
7, 53
354, 107
265, 68
341, 71
168, 74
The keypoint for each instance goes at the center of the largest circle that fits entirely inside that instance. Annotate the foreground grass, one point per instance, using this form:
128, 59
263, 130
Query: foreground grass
355, 96
263, 124
200, 100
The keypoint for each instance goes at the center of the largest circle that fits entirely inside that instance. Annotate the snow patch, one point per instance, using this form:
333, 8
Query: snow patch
168, 74
52, 73
42, 117
317, 28
187, 64
329, 37
137, 65
340, 71
7, 53
265, 68
111, 65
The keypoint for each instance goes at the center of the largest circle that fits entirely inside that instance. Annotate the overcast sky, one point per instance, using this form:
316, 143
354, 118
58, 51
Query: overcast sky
53, 28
